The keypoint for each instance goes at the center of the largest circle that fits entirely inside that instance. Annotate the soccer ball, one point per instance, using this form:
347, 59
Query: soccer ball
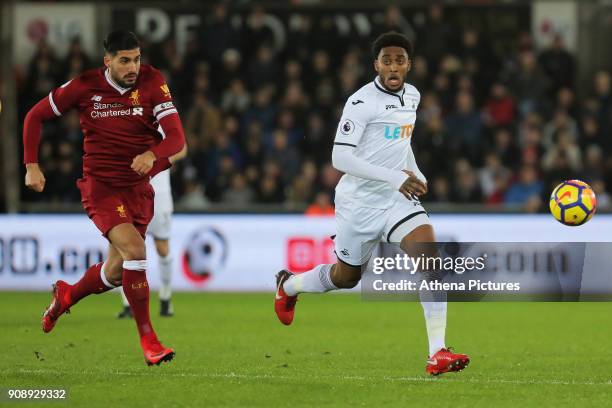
573, 202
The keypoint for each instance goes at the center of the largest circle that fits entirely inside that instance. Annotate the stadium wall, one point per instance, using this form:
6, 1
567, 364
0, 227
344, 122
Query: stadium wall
237, 252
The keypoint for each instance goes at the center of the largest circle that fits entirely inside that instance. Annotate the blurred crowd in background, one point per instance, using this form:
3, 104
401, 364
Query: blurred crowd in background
493, 128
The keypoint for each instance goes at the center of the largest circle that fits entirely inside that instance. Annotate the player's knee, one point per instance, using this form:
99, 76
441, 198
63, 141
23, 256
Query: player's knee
113, 270
133, 251
346, 278
348, 283
114, 275
420, 241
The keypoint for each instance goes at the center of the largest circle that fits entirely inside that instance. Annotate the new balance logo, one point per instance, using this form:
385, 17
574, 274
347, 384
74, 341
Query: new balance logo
96, 98
345, 252
358, 101
387, 107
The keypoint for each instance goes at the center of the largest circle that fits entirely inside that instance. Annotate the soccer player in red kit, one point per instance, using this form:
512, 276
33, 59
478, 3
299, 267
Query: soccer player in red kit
132, 132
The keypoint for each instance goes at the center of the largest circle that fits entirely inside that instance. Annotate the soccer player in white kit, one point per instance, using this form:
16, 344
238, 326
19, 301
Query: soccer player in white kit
159, 229
376, 199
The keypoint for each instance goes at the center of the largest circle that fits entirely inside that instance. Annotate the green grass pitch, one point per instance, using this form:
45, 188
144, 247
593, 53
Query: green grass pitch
340, 351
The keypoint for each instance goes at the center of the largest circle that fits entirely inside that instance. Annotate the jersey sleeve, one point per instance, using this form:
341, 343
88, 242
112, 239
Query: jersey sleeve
160, 97
65, 97
356, 115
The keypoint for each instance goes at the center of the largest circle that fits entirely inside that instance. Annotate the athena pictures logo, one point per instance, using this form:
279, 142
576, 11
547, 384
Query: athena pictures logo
347, 127
204, 256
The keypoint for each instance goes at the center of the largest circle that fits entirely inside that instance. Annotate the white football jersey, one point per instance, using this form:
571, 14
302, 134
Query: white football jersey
163, 192
379, 124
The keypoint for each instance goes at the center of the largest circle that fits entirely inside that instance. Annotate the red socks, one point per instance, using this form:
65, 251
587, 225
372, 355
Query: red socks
91, 282
136, 289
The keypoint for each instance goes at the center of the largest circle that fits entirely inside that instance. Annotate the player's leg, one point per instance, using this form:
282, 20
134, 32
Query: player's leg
126, 312
322, 278
164, 259
162, 247
98, 278
159, 228
130, 244
434, 310
417, 238
358, 232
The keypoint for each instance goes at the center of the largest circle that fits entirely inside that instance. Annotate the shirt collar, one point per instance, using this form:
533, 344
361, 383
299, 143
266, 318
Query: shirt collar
112, 83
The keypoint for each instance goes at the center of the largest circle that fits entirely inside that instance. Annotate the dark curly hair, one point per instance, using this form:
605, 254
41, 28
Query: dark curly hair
391, 39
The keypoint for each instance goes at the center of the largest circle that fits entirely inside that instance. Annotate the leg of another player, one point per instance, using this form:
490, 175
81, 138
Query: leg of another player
126, 312
435, 312
323, 278
162, 246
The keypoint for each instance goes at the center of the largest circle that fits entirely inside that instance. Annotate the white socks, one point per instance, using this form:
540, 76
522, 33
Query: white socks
317, 280
435, 320
165, 275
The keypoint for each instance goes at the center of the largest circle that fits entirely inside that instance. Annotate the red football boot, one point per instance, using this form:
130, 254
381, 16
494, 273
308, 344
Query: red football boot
155, 353
284, 305
60, 304
445, 361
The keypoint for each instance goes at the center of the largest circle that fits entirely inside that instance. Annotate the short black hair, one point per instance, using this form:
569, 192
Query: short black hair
391, 39
120, 40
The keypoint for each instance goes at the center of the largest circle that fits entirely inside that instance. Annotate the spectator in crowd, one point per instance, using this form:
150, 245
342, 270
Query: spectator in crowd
322, 206
465, 126
527, 82
603, 97
558, 64
527, 186
499, 108
239, 194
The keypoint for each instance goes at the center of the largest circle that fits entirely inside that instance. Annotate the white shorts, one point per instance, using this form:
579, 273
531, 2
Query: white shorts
359, 229
160, 225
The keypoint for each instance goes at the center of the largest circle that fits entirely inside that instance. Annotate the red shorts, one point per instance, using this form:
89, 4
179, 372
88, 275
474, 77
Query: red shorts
109, 206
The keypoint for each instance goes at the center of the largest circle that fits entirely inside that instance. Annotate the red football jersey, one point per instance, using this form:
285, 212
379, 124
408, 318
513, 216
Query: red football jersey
118, 123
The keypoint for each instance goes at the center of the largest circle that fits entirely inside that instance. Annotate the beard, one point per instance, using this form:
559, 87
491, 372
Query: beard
122, 82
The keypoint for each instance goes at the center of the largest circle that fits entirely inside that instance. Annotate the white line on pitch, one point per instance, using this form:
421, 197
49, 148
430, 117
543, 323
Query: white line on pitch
342, 377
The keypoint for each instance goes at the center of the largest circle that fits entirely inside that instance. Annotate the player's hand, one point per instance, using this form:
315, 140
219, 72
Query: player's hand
412, 187
34, 178
143, 163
